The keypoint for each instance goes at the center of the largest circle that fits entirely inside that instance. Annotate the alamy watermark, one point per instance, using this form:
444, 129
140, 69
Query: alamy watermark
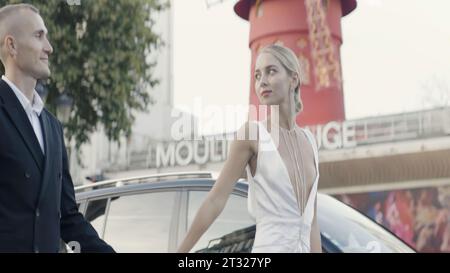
74, 247
223, 121
73, 2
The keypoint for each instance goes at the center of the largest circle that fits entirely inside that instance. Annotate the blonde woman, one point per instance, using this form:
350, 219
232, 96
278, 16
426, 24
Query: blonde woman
281, 165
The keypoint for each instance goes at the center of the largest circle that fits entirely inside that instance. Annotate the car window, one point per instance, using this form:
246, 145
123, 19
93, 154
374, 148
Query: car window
232, 231
140, 223
351, 231
95, 214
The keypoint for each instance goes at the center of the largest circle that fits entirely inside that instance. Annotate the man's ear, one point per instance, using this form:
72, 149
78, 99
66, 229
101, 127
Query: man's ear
10, 45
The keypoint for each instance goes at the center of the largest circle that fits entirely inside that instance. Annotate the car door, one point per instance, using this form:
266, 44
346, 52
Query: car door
135, 222
232, 231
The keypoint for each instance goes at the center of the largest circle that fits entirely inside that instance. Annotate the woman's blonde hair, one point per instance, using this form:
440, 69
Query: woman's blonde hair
290, 62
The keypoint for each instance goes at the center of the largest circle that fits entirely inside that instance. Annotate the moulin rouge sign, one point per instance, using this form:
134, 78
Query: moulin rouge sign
331, 136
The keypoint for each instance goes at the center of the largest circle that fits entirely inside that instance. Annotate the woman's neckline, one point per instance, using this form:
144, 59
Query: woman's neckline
293, 129
282, 129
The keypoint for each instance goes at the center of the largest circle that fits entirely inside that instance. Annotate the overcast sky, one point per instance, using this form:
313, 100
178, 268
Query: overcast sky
393, 51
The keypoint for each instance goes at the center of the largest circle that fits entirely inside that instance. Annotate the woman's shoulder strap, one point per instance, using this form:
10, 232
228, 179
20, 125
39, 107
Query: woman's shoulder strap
313, 142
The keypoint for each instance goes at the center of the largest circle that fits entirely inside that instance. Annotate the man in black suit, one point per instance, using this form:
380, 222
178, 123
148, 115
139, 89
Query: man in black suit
37, 200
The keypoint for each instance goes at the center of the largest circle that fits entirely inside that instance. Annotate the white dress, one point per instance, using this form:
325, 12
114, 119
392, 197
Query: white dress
272, 200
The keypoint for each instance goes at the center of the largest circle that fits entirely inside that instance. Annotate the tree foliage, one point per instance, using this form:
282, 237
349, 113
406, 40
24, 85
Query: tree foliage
100, 60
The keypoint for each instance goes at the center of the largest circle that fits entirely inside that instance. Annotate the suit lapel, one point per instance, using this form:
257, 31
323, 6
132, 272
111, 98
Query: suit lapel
20, 120
49, 153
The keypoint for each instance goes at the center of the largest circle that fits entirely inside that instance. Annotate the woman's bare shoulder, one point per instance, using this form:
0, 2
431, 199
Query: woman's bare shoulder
248, 131
247, 135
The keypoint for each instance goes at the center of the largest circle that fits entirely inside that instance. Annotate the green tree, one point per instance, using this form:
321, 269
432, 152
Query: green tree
99, 59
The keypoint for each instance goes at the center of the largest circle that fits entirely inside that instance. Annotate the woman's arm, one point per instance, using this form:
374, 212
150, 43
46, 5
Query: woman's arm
316, 242
240, 153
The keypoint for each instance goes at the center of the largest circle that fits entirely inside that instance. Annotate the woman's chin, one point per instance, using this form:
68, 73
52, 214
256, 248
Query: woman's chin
268, 101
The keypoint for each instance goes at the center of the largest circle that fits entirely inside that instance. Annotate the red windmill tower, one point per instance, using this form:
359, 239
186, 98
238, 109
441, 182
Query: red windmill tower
312, 29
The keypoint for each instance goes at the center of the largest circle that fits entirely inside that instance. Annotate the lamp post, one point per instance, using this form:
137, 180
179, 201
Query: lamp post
64, 105
41, 90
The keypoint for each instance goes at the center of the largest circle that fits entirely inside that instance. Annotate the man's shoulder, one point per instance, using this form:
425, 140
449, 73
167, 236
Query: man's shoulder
3, 84
50, 116
4, 87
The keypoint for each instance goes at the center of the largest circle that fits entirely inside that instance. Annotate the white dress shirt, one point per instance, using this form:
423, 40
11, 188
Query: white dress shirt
33, 110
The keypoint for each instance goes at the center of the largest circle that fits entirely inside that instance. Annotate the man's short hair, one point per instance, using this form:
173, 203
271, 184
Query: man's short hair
5, 12
9, 9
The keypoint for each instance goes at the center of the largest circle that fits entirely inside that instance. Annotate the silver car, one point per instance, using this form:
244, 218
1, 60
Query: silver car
152, 213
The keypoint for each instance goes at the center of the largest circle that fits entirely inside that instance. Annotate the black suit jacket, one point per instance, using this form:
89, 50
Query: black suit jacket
37, 199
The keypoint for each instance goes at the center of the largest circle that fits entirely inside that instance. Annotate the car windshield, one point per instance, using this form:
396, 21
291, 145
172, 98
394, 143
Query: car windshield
351, 231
